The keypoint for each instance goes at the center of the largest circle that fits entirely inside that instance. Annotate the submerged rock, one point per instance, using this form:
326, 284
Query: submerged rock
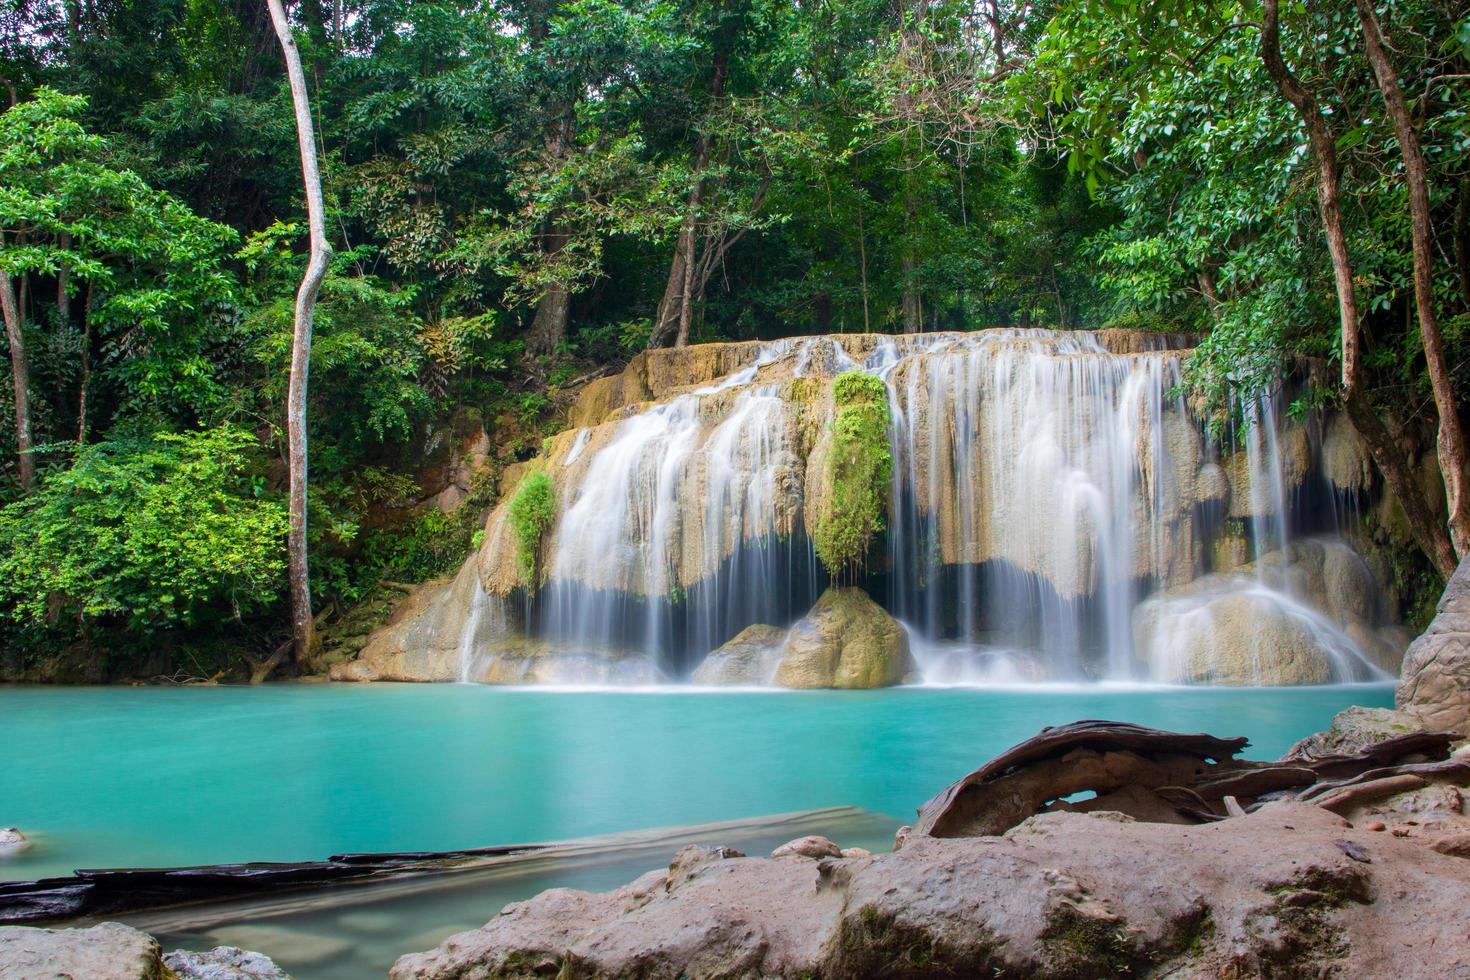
223, 963
846, 641
1275, 893
750, 658
110, 951
12, 842
524, 661
1436, 679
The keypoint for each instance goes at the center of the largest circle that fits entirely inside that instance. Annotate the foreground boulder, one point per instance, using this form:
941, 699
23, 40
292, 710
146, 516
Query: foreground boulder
1321, 865
109, 951
846, 641
113, 951
1290, 890
1435, 684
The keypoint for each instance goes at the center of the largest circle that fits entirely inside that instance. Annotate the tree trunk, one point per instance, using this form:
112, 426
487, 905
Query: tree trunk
1451, 441
913, 314
549, 328
1428, 533
303, 632
20, 373
676, 308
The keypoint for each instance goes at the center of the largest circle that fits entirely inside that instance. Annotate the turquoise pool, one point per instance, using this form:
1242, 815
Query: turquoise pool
117, 777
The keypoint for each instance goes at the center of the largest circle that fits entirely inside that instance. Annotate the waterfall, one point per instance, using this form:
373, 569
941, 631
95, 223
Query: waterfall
1056, 512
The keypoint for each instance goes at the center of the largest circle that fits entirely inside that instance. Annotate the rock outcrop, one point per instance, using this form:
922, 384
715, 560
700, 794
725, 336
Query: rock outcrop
846, 641
1435, 684
1289, 890
423, 638
749, 659
109, 951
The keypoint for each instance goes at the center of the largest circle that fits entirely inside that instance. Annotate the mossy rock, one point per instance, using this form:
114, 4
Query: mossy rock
847, 641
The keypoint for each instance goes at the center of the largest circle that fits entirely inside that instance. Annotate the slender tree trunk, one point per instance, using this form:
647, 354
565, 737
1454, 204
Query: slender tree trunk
20, 373
86, 384
863, 264
303, 630
676, 308
1451, 440
1430, 535
913, 313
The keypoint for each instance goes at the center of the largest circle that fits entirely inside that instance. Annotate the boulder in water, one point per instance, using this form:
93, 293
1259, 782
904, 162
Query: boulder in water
528, 661
846, 641
750, 658
1435, 684
1242, 634
12, 841
223, 963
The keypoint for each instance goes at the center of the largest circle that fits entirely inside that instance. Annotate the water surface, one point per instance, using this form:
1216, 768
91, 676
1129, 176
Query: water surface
120, 777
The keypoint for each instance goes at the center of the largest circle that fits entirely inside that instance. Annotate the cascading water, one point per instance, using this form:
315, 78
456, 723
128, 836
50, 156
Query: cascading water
1055, 512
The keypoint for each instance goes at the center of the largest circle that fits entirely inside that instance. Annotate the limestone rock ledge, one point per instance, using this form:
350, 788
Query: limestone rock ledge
1435, 684
1288, 890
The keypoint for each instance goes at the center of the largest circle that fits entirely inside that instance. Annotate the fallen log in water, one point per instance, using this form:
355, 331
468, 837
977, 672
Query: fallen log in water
108, 892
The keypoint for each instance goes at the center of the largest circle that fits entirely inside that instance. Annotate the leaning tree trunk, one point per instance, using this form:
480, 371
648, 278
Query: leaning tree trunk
676, 309
1429, 534
1451, 440
303, 632
20, 373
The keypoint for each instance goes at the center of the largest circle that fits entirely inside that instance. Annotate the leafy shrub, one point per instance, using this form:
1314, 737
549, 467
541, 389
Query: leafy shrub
532, 512
858, 469
172, 529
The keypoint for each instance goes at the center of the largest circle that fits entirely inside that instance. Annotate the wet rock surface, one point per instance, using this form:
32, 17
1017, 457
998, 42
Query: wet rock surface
750, 658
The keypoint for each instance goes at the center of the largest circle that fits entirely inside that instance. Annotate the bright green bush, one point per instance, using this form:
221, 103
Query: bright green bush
167, 530
858, 469
532, 512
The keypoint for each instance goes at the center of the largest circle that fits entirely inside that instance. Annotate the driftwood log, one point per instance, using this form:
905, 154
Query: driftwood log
109, 892
1172, 777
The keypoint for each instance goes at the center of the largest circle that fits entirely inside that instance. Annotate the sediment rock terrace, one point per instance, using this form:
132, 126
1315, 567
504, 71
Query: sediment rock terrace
1054, 502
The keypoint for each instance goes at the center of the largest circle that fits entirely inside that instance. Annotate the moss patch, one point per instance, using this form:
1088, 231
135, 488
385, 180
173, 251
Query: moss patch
531, 514
858, 470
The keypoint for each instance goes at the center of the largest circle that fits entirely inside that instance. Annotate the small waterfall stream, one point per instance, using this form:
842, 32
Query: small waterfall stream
1055, 510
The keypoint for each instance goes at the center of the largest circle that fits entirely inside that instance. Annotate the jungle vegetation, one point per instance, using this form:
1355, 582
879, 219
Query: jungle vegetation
518, 195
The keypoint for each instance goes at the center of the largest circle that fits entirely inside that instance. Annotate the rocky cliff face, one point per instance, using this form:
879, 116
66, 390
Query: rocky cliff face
1044, 484
1436, 678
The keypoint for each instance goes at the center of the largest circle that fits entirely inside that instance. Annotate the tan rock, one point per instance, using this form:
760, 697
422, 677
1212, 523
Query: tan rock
813, 847
750, 658
846, 641
425, 637
1435, 684
110, 951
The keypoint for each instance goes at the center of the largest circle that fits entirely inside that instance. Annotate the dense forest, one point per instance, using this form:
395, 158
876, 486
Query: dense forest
522, 195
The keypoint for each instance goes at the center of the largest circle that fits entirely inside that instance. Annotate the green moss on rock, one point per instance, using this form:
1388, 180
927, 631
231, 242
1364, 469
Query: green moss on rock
858, 470
532, 512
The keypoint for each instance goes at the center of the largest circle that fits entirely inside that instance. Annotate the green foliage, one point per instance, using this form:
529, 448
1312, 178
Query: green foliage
859, 466
176, 529
531, 514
